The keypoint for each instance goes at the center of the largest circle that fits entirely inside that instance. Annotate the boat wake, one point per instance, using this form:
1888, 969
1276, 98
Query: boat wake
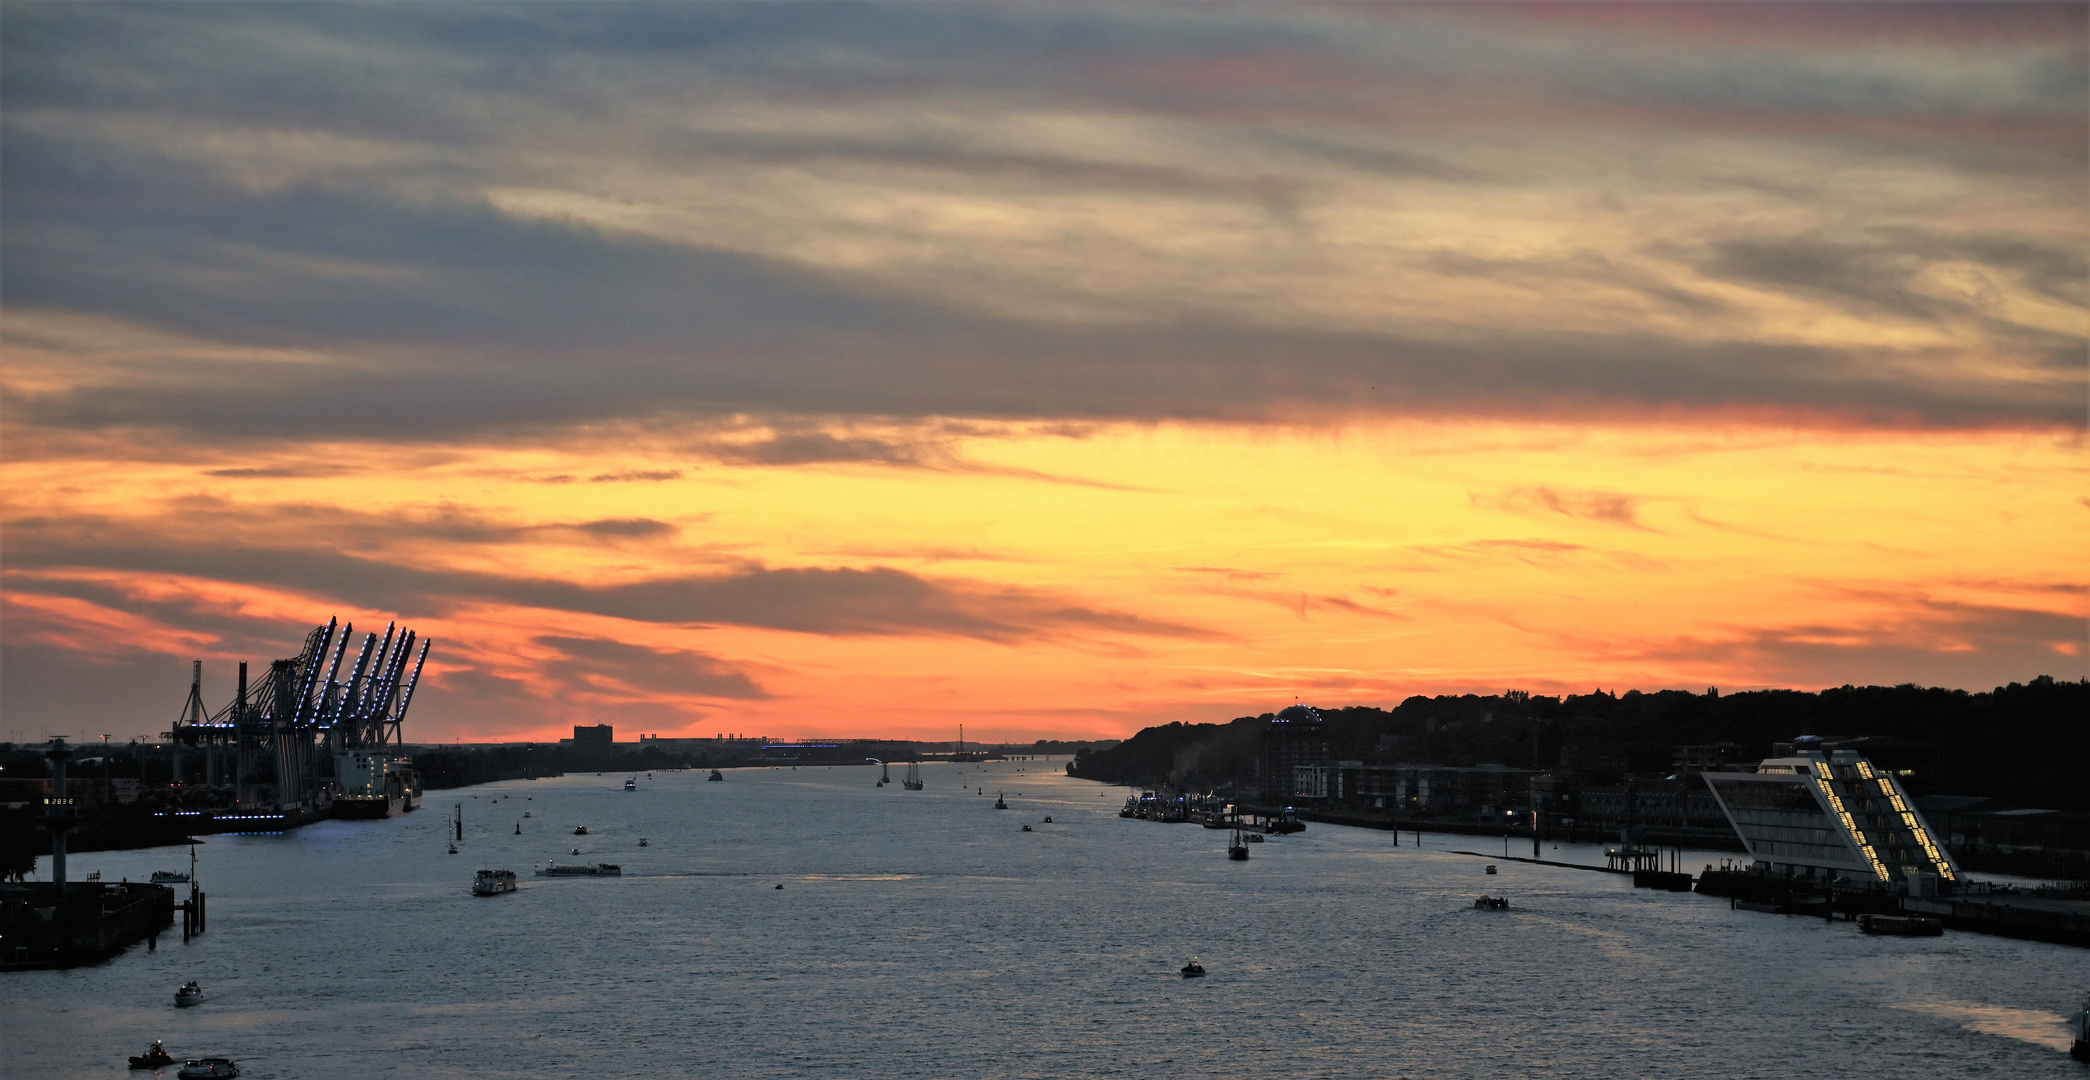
2037, 1026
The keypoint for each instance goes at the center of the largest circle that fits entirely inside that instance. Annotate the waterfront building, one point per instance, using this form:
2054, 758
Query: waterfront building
1294, 737
594, 739
1833, 815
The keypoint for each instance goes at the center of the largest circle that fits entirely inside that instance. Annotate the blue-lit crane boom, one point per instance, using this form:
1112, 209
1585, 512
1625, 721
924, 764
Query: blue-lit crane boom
408, 698
315, 654
350, 697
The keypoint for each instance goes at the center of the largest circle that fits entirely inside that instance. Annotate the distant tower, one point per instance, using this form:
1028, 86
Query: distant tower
58, 812
1296, 736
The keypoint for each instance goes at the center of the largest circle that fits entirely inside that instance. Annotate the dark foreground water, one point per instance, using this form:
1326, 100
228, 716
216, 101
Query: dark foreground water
924, 934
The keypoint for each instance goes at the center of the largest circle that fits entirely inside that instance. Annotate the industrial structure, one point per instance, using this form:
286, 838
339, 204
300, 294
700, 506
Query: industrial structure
302, 743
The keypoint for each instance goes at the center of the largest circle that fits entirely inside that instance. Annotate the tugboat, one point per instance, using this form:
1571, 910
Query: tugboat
999, 802
208, 1069
1193, 969
716, 775
191, 993
493, 882
154, 1058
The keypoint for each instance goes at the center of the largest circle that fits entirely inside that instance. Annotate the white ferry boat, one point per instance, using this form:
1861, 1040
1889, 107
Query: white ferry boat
493, 882
169, 877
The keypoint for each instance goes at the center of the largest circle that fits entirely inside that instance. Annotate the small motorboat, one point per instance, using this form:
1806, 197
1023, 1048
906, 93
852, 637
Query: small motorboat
208, 1069
631, 784
1491, 868
1193, 969
1492, 903
191, 993
576, 851
1048, 819
526, 813
1901, 926
580, 830
153, 1058
1254, 838
1027, 828
642, 841
453, 849
716, 775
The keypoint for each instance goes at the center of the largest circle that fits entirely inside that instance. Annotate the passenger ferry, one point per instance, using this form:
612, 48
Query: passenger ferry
493, 882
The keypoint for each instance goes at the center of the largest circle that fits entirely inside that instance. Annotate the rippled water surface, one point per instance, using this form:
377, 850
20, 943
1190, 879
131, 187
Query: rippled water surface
924, 934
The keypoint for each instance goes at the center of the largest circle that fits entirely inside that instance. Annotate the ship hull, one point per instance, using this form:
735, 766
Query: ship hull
369, 807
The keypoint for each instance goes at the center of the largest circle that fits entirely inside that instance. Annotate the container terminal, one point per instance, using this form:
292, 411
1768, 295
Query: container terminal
298, 746
302, 744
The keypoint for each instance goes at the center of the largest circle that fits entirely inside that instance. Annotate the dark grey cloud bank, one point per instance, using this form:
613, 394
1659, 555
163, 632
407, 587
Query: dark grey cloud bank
871, 600
447, 317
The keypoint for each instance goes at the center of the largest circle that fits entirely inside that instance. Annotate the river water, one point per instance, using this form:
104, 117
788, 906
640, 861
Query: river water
924, 934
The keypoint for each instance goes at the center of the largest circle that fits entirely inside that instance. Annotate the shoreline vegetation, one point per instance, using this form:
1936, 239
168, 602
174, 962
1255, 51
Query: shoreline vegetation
2025, 743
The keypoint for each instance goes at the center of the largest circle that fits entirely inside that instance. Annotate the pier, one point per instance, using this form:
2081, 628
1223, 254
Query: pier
45, 925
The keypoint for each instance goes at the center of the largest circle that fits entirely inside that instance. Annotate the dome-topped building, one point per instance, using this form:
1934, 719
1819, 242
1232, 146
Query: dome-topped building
1296, 736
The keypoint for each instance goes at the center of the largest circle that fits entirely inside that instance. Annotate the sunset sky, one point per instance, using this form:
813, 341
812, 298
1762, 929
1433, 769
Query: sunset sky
1056, 370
